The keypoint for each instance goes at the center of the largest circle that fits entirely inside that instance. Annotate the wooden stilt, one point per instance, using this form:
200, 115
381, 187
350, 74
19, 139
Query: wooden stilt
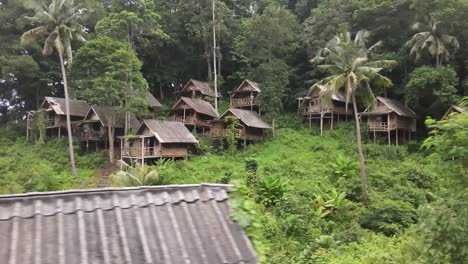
142, 152
374, 137
396, 140
59, 132
87, 146
121, 149
409, 135
331, 122
388, 128
388, 132
310, 121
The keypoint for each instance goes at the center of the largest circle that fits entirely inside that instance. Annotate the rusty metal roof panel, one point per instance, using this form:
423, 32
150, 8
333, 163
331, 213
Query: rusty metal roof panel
158, 224
170, 131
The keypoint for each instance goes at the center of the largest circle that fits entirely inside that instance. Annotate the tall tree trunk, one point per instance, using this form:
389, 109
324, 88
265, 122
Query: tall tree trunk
361, 154
208, 63
214, 59
67, 110
110, 136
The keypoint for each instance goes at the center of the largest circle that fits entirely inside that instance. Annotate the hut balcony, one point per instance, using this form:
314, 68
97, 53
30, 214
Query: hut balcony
392, 125
307, 110
239, 133
146, 115
237, 102
93, 135
192, 120
153, 152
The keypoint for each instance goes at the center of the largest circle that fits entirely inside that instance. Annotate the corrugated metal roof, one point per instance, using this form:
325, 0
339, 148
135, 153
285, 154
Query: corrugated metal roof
249, 118
152, 101
119, 116
203, 87
397, 106
200, 106
252, 86
159, 224
77, 107
170, 131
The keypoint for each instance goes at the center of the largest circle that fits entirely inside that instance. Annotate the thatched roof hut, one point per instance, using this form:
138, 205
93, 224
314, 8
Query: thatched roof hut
197, 89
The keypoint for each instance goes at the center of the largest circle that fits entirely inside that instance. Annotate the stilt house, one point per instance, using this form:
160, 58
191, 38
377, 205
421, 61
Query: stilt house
55, 117
153, 104
194, 113
245, 96
455, 109
94, 128
392, 119
315, 111
251, 125
197, 90
158, 139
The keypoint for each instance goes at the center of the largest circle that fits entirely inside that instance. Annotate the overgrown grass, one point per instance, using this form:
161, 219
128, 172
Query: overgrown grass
28, 167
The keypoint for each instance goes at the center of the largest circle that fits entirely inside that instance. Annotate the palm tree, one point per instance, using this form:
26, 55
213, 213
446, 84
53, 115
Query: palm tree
352, 71
58, 21
432, 40
136, 175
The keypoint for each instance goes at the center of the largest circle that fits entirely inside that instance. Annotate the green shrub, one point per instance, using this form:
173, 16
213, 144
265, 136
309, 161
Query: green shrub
270, 190
387, 216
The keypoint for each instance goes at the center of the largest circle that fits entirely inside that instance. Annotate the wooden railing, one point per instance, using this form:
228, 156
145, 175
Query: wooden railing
137, 152
223, 133
377, 126
93, 135
220, 133
191, 120
174, 152
243, 101
49, 122
315, 109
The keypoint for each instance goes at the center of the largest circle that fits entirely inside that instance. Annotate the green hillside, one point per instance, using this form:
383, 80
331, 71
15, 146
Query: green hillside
315, 170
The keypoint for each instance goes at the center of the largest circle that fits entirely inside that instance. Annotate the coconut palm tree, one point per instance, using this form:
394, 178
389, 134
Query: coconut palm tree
58, 23
352, 71
432, 40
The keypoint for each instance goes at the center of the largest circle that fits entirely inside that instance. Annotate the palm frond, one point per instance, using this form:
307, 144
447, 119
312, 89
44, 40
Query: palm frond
32, 34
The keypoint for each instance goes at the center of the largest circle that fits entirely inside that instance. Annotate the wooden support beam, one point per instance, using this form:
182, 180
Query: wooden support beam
321, 124
388, 129
142, 152
396, 132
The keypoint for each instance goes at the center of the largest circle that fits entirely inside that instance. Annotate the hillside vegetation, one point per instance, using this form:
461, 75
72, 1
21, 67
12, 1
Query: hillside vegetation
298, 195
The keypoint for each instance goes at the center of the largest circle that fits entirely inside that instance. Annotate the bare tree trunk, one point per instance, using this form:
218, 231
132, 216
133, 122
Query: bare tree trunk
110, 135
361, 154
214, 59
208, 63
67, 112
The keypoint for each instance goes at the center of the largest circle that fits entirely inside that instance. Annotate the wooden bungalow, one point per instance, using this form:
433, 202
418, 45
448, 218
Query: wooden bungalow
197, 90
157, 139
153, 104
194, 113
455, 109
94, 127
391, 118
251, 125
55, 117
314, 110
245, 96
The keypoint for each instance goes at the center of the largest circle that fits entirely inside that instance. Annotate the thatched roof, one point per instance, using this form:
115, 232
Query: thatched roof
337, 96
152, 101
202, 87
104, 112
151, 224
77, 107
247, 86
248, 118
169, 131
200, 106
392, 106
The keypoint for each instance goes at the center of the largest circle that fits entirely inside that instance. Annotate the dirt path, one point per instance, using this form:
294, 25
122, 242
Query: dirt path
105, 175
